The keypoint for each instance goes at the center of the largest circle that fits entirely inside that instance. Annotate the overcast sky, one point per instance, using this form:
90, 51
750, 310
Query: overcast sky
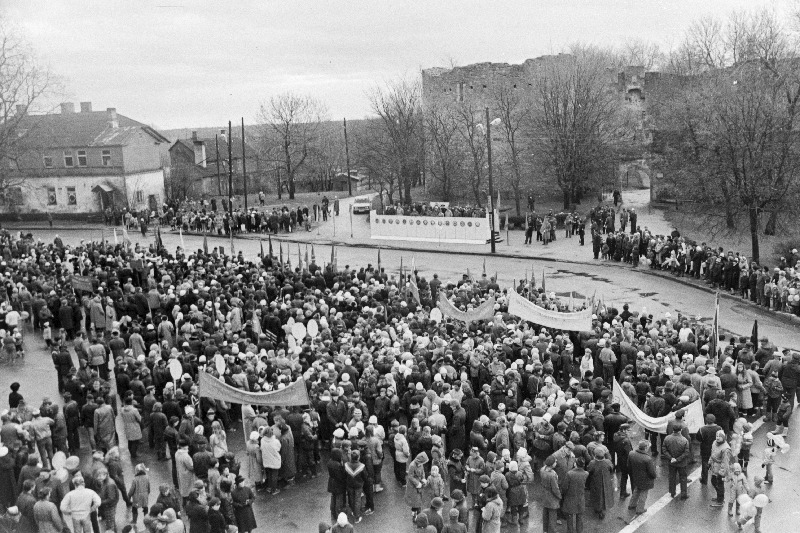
181, 63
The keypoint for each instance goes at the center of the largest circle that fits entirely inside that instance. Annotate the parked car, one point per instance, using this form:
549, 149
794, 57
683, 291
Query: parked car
362, 205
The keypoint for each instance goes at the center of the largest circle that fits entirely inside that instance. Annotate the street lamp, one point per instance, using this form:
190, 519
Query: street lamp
488, 133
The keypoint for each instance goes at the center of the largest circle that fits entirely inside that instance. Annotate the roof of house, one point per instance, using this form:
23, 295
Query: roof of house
211, 148
91, 129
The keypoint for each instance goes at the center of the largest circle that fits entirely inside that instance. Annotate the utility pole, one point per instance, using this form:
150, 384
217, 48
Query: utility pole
491, 186
219, 180
230, 176
347, 160
244, 168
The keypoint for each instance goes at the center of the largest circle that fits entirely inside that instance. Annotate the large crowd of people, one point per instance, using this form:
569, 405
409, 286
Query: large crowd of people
470, 415
776, 288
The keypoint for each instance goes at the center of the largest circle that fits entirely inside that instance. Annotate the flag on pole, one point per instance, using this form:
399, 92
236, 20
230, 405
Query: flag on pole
159, 240
484, 266
116, 241
205, 244
379, 260
271, 253
413, 267
715, 328
299, 257
533, 278
306, 255
313, 255
125, 238
233, 251
402, 277
183, 244
280, 244
414, 290
261, 245
333, 257
544, 286
754, 335
496, 214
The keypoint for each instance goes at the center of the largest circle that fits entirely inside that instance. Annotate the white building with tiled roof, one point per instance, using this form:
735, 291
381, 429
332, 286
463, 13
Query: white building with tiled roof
84, 162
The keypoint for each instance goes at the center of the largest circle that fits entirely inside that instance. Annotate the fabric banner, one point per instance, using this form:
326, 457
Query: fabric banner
693, 416
211, 387
82, 283
527, 310
485, 311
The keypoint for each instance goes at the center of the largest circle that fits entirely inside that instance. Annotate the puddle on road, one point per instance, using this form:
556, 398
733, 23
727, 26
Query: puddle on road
575, 295
584, 275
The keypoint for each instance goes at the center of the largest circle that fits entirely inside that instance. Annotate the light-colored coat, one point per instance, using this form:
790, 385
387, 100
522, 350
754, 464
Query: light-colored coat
492, 515
139, 493
185, 468
133, 422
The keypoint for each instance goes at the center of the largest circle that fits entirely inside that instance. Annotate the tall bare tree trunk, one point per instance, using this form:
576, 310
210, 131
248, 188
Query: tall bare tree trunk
754, 233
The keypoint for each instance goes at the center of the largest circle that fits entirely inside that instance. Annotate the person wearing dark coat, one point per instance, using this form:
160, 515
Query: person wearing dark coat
706, 436
601, 483
216, 520
551, 495
25, 503
337, 482
678, 451
197, 513
573, 494
8, 486
643, 475
243, 498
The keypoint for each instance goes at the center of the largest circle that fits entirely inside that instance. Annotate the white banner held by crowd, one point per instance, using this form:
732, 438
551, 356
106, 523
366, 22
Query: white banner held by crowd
527, 310
693, 413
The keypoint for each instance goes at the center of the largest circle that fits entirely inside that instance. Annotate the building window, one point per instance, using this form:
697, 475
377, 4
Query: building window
69, 161
48, 161
52, 199
72, 197
82, 162
106, 158
139, 196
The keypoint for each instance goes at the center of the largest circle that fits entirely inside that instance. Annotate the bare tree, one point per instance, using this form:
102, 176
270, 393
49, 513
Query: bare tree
443, 149
374, 149
24, 89
471, 131
292, 124
398, 105
638, 52
734, 144
577, 119
513, 110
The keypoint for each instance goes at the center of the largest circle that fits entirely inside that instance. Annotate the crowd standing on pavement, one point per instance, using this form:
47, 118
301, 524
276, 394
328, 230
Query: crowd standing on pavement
472, 416
776, 288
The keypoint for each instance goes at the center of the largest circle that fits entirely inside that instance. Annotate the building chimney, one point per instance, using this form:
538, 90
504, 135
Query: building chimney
86, 107
113, 121
194, 135
199, 152
20, 109
67, 108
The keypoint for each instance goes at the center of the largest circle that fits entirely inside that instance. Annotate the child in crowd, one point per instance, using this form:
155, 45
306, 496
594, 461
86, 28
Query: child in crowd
436, 483
47, 334
747, 443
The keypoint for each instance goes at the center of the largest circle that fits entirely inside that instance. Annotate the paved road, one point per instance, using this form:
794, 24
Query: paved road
300, 508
